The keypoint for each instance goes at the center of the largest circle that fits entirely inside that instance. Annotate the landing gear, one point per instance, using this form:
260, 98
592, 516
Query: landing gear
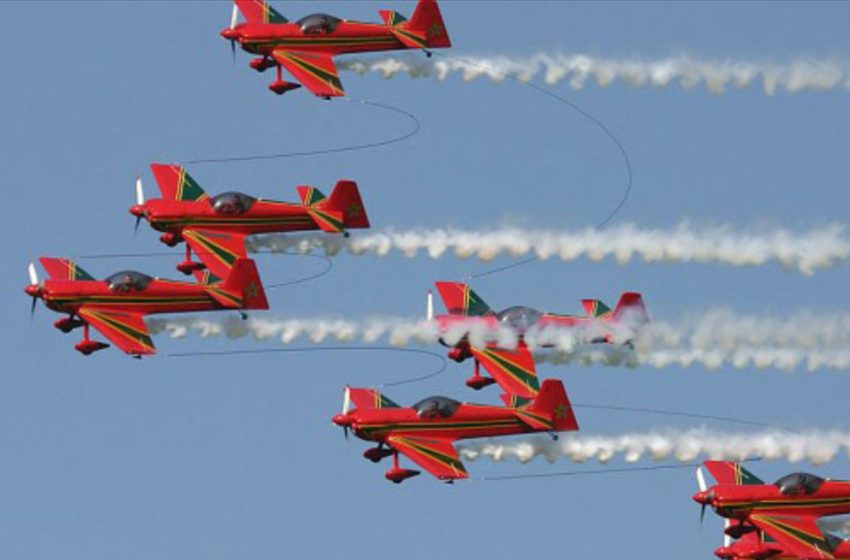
262, 64
67, 324
376, 454
170, 239
243, 315
398, 474
428, 54
87, 346
281, 86
478, 381
189, 266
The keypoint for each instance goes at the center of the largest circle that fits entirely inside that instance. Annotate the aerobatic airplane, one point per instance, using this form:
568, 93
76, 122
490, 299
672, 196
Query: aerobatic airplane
777, 520
117, 305
513, 369
215, 227
425, 432
306, 48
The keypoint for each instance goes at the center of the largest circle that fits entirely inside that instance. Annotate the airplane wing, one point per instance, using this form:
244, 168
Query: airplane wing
799, 535
217, 249
124, 329
727, 472
437, 456
513, 370
317, 72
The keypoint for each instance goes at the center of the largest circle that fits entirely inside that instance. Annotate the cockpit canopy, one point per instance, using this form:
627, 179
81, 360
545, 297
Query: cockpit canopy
799, 484
519, 318
232, 203
436, 407
128, 281
318, 24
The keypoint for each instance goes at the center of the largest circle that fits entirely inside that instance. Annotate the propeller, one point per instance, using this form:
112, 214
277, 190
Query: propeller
34, 292
346, 407
140, 201
233, 17
727, 540
703, 486
429, 313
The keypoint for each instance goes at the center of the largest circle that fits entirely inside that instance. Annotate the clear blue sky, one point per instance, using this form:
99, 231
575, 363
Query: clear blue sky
111, 458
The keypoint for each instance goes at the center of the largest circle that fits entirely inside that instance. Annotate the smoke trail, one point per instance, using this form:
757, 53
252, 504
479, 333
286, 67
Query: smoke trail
816, 446
805, 252
717, 338
801, 74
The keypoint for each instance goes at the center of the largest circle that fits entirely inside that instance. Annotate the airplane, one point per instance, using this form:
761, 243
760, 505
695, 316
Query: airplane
426, 431
777, 520
215, 227
306, 48
513, 369
117, 305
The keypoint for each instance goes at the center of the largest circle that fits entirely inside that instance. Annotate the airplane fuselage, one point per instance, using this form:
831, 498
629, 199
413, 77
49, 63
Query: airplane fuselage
469, 421
160, 296
264, 216
741, 501
348, 37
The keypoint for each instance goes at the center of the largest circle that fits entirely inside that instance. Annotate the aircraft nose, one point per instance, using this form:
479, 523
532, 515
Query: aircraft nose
342, 420
703, 498
33, 290
230, 34
138, 210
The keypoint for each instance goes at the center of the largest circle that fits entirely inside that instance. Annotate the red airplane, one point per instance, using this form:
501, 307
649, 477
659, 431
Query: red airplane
216, 227
426, 431
777, 520
306, 48
513, 369
117, 305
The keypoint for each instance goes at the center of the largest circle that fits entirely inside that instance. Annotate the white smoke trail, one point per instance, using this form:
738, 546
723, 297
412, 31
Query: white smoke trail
801, 74
816, 446
715, 339
805, 252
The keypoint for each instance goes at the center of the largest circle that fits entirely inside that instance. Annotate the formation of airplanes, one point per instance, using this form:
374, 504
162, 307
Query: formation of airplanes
762, 521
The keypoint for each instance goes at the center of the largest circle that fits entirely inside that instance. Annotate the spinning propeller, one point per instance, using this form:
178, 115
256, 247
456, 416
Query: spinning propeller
342, 418
230, 32
429, 308
139, 209
35, 288
704, 498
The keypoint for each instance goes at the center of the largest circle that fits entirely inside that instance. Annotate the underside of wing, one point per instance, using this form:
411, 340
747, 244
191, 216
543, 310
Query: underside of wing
513, 370
125, 330
217, 250
798, 535
437, 456
317, 72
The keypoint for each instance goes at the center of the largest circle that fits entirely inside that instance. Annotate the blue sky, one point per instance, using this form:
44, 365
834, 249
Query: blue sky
107, 457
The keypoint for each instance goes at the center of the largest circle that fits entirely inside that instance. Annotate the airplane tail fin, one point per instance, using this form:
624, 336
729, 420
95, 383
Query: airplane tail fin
630, 308
242, 289
343, 210
460, 299
259, 11
727, 472
427, 20
551, 408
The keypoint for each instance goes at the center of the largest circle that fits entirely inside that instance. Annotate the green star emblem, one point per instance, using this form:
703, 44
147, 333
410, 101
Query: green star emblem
353, 211
561, 411
435, 29
251, 290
